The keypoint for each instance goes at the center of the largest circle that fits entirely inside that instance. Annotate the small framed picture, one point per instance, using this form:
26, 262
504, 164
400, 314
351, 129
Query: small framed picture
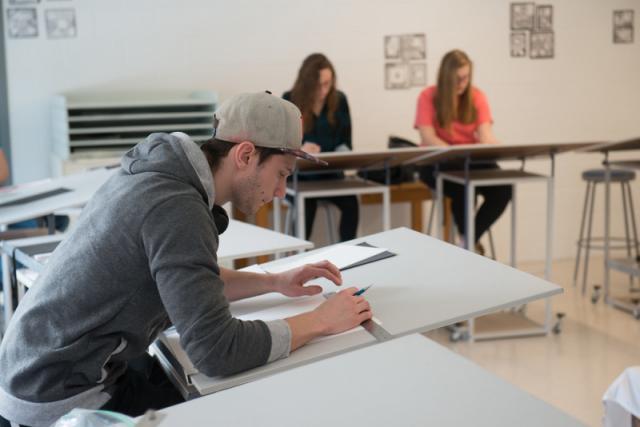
60, 23
518, 44
22, 22
397, 76
393, 47
542, 45
414, 47
544, 18
523, 16
623, 26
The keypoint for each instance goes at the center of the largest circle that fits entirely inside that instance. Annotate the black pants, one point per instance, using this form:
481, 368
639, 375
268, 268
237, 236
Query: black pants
496, 198
143, 386
349, 214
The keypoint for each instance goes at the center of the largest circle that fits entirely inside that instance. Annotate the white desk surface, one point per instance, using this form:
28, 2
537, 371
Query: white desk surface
83, 186
499, 151
410, 381
375, 159
242, 240
624, 145
428, 284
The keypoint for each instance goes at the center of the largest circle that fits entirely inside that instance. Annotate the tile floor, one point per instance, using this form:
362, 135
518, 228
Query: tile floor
573, 369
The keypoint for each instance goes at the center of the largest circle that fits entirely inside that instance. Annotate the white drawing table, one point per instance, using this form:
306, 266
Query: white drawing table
342, 161
427, 285
81, 187
411, 381
625, 265
240, 240
471, 179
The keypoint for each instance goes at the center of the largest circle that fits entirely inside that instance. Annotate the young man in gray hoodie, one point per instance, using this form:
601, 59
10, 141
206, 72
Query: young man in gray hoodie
143, 256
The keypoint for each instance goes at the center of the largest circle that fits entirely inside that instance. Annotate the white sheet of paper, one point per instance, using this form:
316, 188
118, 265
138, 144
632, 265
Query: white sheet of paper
340, 255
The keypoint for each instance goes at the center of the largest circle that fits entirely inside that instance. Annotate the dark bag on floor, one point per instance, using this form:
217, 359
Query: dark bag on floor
398, 174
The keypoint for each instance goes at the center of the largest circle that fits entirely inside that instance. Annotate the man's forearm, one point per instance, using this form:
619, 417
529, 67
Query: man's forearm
241, 284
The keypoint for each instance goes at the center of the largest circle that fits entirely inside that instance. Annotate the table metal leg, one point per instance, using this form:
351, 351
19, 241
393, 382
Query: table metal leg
440, 204
277, 221
549, 242
513, 226
386, 209
300, 222
6, 289
607, 207
469, 216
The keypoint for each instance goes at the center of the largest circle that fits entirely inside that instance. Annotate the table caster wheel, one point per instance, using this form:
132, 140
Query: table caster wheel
557, 328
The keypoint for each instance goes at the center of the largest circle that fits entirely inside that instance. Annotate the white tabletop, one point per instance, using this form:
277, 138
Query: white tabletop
344, 160
82, 185
624, 145
410, 381
431, 283
428, 284
499, 151
242, 240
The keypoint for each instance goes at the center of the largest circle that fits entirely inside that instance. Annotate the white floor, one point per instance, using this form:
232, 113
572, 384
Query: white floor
573, 369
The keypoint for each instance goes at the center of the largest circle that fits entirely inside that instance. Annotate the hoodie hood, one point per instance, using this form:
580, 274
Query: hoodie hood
174, 155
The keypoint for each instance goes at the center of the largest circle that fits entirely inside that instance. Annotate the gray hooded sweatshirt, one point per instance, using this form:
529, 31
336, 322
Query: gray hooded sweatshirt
141, 257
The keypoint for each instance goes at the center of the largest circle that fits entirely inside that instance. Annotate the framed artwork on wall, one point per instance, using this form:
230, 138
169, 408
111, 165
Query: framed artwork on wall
523, 16
623, 26
22, 22
541, 46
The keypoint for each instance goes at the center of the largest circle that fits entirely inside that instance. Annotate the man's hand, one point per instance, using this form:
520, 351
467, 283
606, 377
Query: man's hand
343, 311
291, 283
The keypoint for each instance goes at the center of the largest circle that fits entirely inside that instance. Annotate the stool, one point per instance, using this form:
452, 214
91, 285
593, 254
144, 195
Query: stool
594, 177
328, 210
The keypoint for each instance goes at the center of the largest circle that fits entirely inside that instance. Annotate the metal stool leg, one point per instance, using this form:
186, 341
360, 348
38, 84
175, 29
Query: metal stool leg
588, 242
633, 222
581, 235
627, 236
633, 225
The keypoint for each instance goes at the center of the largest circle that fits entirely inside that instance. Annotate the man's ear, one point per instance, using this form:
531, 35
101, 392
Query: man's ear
242, 154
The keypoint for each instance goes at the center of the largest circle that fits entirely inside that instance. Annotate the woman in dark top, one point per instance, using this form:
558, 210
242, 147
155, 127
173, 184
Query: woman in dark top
327, 127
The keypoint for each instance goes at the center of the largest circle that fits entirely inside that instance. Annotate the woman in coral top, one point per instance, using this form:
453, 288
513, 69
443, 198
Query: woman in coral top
452, 113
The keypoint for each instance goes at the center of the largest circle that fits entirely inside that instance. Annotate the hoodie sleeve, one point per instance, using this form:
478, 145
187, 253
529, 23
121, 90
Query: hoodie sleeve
180, 240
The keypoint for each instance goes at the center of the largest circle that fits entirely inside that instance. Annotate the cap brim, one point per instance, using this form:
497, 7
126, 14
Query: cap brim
305, 156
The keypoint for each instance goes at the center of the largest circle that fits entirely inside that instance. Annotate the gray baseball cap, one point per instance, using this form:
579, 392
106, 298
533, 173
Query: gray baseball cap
263, 119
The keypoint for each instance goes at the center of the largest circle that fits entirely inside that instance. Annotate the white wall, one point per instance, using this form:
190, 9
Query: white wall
587, 92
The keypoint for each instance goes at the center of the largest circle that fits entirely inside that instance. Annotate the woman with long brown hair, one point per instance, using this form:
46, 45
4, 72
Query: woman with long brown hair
327, 127
452, 113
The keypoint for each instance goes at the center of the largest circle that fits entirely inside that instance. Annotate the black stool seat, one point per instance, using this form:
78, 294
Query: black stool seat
617, 175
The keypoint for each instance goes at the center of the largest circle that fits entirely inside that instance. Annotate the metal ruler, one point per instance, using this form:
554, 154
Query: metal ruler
371, 326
